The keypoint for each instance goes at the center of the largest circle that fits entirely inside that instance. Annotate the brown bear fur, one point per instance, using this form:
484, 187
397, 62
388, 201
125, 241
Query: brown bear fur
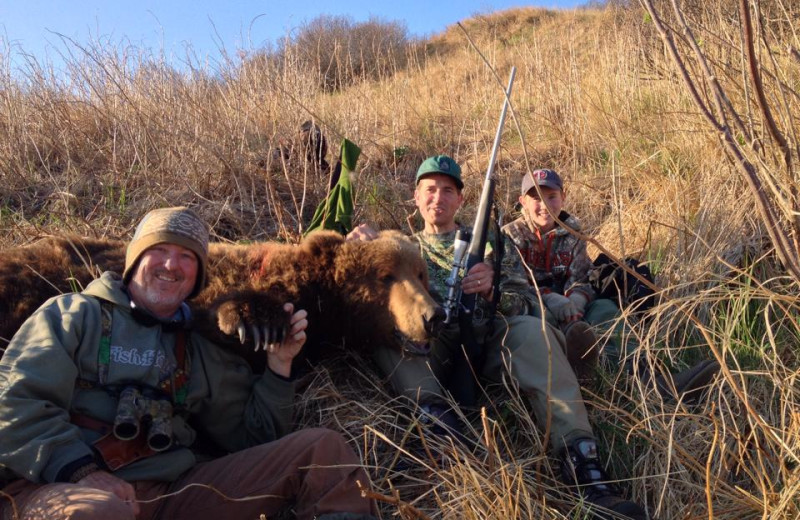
31, 274
357, 294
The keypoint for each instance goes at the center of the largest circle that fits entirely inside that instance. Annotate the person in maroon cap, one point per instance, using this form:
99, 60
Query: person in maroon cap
515, 345
559, 267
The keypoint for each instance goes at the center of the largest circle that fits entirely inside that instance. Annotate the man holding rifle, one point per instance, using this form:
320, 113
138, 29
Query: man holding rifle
515, 341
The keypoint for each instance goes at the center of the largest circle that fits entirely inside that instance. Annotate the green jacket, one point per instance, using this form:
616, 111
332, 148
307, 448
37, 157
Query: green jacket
58, 345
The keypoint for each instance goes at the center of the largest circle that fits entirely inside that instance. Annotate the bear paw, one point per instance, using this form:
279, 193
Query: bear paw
253, 316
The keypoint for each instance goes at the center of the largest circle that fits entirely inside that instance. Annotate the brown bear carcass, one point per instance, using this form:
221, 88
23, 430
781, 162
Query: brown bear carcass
357, 294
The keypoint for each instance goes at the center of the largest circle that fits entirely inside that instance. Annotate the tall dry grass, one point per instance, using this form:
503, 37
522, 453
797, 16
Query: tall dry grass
598, 99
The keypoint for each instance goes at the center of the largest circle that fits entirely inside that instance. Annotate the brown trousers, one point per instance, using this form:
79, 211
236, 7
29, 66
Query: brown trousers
313, 471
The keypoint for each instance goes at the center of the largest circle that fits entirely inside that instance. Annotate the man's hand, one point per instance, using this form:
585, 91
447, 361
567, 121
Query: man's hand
479, 280
362, 232
105, 481
280, 356
256, 314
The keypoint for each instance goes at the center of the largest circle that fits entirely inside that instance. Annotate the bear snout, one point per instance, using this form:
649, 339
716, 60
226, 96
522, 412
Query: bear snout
434, 321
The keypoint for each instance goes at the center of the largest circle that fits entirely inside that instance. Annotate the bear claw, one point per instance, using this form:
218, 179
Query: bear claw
272, 336
242, 333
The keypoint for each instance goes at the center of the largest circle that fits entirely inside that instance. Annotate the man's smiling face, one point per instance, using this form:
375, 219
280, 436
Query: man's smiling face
438, 199
164, 277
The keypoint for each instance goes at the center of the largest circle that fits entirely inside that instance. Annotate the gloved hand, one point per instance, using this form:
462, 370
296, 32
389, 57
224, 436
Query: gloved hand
579, 300
562, 307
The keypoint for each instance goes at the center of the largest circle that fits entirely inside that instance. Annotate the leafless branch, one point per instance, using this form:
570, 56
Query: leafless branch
778, 233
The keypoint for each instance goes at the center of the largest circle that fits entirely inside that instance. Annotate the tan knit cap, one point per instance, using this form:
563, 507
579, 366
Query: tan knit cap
180, 226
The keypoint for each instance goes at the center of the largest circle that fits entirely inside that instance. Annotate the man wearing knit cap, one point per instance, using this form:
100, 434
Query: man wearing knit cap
105, 395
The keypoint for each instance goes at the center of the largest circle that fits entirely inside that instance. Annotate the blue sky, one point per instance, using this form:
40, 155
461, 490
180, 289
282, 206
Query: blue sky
206, 26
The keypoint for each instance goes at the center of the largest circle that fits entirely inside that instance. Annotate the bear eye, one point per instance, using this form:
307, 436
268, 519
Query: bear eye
387, 279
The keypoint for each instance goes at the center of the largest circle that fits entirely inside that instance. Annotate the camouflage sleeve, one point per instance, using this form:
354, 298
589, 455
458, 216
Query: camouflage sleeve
579, 272
516, 294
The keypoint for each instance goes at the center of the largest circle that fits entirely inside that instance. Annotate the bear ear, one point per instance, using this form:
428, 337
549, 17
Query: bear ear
319, 242
400, 240
393, 234
359, 259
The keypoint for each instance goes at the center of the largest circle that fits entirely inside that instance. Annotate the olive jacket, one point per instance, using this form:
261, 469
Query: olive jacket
50, 371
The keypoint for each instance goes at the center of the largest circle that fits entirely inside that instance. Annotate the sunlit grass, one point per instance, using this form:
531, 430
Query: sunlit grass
121, 132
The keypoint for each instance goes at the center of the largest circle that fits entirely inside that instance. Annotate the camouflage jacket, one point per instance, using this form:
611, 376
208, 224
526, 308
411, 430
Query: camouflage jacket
516, 296
558, 260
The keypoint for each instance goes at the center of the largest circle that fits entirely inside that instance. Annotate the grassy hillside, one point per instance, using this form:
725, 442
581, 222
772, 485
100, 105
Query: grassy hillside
597, 98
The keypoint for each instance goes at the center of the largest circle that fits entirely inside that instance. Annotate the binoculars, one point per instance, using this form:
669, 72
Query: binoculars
137, 410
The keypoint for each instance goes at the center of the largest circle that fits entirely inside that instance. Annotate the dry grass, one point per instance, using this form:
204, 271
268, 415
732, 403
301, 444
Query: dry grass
597, 99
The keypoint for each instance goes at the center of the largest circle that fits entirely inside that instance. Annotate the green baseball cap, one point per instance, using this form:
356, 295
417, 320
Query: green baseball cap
443, 164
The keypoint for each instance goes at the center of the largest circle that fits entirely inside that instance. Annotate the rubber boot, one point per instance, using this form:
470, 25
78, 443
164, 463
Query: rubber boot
442, 421
581, 469
439, 421
688, 385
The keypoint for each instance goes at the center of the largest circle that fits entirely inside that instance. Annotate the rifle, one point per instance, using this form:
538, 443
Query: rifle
469, 249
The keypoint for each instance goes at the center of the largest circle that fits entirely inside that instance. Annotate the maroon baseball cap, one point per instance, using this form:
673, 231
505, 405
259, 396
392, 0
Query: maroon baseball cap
543, 177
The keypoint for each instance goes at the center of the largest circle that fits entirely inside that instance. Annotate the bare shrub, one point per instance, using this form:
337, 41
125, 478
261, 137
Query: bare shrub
754, 119
341, 52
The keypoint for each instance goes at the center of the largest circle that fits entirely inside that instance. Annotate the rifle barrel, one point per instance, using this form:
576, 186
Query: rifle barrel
498, 135
479, 230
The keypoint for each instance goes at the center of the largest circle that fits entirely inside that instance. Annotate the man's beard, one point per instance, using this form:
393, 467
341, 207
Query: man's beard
154, 299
